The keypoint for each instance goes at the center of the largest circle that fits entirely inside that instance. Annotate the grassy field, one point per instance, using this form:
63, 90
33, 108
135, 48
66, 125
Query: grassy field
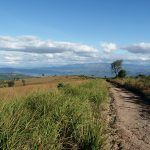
68, 117
37, 84
8, 76
139, 85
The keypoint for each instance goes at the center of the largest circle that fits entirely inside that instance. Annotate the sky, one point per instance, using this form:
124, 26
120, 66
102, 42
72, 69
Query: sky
35, 33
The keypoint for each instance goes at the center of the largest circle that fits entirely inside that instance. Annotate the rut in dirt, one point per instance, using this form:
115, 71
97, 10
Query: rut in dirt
133, 119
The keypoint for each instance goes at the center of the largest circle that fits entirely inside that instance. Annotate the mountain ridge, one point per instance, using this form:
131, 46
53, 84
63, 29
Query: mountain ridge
96, 69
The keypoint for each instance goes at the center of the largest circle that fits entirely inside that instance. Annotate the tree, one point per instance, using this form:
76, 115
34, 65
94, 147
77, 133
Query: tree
23, 82
116, 66
122, 73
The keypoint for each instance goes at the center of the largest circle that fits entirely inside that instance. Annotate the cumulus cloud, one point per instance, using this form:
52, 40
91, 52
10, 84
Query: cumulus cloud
138, 48
108, 47
33, 51
32, 44
142, 48
139, 53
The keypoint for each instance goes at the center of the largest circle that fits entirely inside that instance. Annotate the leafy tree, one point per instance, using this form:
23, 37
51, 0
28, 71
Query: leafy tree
116, 66
23, 82
122, 73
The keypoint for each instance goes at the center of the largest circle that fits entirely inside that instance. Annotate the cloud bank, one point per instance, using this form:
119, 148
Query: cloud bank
26, 50
139, 48
31, 51
31, 44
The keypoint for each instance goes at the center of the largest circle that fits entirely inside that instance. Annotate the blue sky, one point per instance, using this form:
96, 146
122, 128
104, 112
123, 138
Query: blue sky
73, 31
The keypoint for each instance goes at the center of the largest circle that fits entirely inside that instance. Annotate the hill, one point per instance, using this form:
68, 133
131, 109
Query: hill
97, 69
9, 76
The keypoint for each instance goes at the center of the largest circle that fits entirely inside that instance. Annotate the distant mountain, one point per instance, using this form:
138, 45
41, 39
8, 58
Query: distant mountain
97, 69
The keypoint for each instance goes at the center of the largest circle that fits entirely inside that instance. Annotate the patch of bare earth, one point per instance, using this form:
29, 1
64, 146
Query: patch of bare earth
131, 119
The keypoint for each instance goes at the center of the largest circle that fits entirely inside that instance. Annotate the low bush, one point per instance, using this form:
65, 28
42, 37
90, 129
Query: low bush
122, 74
60, 85
11, 83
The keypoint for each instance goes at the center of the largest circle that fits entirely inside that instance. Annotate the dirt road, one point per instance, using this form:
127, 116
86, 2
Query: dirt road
132, 119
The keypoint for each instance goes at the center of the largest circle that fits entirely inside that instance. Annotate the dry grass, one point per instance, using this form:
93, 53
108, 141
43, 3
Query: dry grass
138, 85
36, 84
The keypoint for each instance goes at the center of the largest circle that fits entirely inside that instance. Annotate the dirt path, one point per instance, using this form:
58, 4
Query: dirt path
132, 120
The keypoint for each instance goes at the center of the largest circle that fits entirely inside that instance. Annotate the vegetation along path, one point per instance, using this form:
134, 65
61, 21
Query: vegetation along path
132, 119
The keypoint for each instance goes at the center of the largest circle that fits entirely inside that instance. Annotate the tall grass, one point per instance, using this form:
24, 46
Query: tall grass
140, 85
67, 118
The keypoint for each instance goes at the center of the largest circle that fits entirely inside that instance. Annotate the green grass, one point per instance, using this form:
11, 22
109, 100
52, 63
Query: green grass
67, 118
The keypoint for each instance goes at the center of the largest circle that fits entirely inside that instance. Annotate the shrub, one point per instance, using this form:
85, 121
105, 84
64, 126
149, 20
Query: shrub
11, 83
122, 74
141, 76
60, 85
23, 82
2, 84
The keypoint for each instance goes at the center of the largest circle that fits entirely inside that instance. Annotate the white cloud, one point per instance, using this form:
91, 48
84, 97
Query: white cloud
108, 47
134, 53
35, 51
142, 48
31, 44
31, 51
138, 48
10, 58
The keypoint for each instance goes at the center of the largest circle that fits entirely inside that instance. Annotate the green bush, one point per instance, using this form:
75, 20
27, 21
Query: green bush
11, 83
60, 85
122, 74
